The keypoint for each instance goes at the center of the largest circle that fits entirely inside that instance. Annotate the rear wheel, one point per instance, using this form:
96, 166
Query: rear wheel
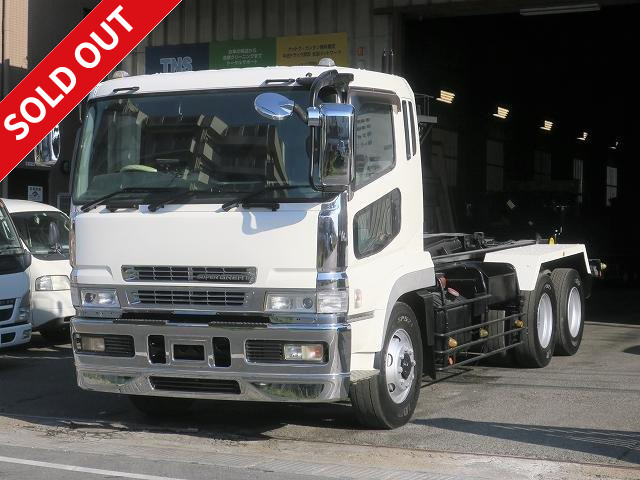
539, 340
388, 400
571, 309
161, 407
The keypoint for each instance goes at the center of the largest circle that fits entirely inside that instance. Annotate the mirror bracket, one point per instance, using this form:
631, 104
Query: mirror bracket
313, 117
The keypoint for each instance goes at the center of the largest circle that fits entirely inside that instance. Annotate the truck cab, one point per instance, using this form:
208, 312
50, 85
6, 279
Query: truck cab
257, 234
15, 325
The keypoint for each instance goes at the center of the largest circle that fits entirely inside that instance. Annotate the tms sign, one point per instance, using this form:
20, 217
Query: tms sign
176, 64
177, 58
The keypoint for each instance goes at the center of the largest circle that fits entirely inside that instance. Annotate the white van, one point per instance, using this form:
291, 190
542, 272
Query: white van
44, 230
15, 328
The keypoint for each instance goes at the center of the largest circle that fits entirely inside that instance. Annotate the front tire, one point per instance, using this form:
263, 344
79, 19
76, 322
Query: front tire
389, 399
538, 342
571, 308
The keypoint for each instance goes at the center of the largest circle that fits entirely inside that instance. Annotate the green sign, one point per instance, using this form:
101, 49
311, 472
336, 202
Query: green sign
243, 53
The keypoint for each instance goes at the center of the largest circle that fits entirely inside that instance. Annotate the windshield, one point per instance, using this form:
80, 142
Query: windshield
213, 142
9, 240
43, 233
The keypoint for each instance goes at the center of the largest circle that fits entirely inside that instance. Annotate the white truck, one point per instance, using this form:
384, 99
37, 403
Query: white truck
44, 231
15, 315
257, 234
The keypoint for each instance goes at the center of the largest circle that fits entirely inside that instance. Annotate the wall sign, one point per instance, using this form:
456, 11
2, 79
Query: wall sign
177, 58
243, 53
264, 52
35, 193
309, 49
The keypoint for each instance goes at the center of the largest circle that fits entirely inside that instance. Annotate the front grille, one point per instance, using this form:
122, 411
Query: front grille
6, 309
212, 298
188, 274
195, 385
264, 351
7, 337
119, 346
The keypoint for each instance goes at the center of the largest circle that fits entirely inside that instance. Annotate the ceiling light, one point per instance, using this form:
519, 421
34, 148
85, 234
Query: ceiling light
446, 97
558, 9
501, 113
548, 125
584, 136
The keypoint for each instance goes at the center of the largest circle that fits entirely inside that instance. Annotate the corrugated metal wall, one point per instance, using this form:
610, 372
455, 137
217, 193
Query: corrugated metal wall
217, 20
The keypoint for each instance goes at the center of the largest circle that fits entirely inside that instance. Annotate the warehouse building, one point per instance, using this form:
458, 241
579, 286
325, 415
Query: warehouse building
30, 30
534, 101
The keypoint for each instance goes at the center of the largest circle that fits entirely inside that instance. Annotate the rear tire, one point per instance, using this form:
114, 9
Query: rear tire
388, 399
571, 310
161, 407
539, 340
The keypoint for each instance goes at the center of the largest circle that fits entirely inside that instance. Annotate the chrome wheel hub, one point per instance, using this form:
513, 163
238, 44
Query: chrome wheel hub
545, 320
574, 311
400, 365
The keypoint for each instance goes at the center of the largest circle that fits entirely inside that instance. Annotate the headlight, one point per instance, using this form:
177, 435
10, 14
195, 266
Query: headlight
94, 298
323, 301
24, 310
291, 302
52, 282
333, 301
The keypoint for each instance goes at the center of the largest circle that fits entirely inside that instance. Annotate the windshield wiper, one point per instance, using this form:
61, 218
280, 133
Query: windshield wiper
272, 188
94, 203
182, 194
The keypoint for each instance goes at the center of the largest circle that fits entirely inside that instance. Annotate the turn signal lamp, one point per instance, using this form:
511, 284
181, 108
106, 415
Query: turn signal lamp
309, 352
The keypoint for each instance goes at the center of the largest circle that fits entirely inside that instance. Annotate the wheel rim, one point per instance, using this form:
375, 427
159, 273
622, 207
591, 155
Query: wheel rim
545, 320
574, 311
400, 366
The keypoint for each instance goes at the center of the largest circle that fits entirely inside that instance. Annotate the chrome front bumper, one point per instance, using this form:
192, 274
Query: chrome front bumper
284, 382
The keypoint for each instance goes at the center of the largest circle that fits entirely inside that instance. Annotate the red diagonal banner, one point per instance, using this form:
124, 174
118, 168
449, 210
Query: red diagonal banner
69, 73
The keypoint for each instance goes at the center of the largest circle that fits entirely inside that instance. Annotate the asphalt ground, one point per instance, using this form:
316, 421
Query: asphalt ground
577, 418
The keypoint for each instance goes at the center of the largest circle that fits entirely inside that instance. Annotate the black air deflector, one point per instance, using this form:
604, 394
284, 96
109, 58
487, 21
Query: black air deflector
195, 385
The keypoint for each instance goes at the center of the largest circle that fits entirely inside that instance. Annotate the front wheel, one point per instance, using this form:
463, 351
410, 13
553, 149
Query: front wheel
389, 399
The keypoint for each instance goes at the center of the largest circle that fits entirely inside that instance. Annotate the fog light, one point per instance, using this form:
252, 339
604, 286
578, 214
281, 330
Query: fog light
310, 352
85, 343
26, 334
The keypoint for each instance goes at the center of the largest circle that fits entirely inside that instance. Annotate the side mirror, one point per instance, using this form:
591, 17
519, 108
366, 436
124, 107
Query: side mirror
336, 146
273, 106
47, 152
336, 122
54, 234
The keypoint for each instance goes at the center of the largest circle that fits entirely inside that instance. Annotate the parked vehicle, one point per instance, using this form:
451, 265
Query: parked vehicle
44, 231
257, 234
15, 326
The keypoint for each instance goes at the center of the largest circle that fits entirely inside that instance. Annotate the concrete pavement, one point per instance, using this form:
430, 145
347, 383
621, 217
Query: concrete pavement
577, 418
